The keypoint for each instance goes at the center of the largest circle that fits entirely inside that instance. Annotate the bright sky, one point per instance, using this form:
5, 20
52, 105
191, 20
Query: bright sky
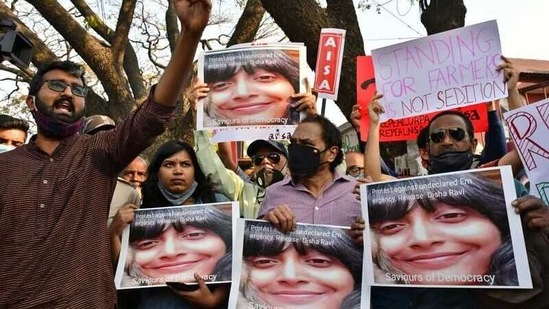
519, 26
518, 22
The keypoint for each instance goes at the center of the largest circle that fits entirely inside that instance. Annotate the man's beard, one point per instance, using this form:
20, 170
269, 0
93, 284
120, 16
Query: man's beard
49, 111
54, 125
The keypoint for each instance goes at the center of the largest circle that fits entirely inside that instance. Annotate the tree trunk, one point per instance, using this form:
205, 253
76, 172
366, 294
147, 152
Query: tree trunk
248, 23
245, 31
302, 21
95, 53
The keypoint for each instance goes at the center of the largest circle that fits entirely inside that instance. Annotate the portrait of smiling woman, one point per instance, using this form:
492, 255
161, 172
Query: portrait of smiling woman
453, 231
175, 251
185, 245
302, 273
251, 87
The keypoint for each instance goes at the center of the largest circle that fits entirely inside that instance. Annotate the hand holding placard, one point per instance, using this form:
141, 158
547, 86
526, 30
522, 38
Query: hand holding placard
439, 72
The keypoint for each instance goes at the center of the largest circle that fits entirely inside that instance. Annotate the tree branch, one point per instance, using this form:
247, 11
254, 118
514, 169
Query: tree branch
93, 20
95, 53
120, 39
131, 63
248, 23
24, 74
172, 27
41, 52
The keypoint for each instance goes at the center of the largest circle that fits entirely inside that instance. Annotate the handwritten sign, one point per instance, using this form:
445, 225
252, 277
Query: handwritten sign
405, 128
529, 128
440, 72
328, 62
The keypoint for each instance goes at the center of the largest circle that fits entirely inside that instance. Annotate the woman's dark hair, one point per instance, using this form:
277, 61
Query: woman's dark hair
204, 217
152, 197
479, 193
220, 67
340, 245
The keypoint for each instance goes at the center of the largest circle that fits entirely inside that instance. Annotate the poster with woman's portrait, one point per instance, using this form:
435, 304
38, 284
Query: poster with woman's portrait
445, 230
315, 266
250, 89
171, 244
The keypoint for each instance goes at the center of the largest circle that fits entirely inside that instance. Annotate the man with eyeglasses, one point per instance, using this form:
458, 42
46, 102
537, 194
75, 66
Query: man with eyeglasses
55, 191
451, 146
354, 161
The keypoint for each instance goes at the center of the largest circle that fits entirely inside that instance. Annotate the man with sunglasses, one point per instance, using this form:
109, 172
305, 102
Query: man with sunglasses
270, 165
55, 191
270, 160
451, 143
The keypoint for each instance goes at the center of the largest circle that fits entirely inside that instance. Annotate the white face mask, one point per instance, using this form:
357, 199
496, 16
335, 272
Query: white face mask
4, 147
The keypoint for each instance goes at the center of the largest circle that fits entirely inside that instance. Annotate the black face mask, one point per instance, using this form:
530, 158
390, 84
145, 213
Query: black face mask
266, 177
450, 162
303, 160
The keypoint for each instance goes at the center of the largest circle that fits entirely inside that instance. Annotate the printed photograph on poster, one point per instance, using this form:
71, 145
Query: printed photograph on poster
315, 266
445, 230
251, 86
170, 244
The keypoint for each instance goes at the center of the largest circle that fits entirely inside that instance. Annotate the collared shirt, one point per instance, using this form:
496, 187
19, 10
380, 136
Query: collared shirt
336, 204
54, 250
227, 182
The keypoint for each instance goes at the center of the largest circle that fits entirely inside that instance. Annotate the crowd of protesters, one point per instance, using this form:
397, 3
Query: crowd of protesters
77, 173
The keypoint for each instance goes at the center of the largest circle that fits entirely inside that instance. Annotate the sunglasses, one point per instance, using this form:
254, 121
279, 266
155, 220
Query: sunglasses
271, 156
457, 134
60, 86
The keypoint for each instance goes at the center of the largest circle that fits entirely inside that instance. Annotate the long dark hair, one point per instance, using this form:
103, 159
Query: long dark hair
210, 218
152, 197
270, 60
479, 193
340, 247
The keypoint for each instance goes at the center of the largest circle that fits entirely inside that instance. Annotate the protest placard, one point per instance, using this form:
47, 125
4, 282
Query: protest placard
328, 62
170, 244
406, 128
445, 230
251, 87
315, 266
529, 128
441, 71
